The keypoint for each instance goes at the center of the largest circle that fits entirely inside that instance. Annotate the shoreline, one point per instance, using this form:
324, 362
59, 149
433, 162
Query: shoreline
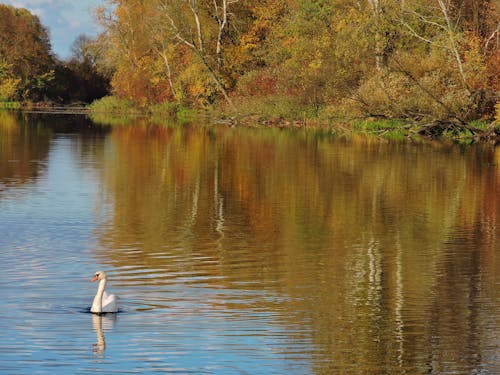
471, 133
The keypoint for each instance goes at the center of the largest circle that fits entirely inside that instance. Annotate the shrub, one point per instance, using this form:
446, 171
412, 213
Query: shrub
10, 105
429, 89
273, 107
8, 89
166, 109
112, 104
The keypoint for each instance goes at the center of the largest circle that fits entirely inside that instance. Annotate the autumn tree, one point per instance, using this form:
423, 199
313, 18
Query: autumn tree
437, 69
413, 59
317, 52
171, 50
8, 82
124, 49
202, 26
25, 49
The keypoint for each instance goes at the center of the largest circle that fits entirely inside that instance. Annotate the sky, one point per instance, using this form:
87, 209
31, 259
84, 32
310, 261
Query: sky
65, 20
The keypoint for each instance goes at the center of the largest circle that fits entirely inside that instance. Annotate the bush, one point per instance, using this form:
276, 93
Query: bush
112, 104
10, 105
8, 89
427, 87
167, 109
274, 107
429, 90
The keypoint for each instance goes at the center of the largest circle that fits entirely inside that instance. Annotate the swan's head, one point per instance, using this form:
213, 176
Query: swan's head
99, 275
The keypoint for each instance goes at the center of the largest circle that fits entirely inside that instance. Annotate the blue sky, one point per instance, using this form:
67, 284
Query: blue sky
65, 19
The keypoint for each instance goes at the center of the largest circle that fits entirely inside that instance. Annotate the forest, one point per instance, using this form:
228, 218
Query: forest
427, 61
31, 73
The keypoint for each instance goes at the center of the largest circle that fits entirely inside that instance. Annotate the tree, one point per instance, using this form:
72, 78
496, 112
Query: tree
125, 49
25, 46
411, 59
8, 83
91, 82
201, 26
437, 69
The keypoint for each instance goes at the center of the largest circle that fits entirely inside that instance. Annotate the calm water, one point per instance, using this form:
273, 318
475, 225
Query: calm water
245, 251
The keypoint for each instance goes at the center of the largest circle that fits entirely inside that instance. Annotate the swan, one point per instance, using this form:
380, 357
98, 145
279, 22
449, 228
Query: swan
103, 302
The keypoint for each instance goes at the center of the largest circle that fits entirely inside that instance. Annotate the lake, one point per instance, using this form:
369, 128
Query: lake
245, 250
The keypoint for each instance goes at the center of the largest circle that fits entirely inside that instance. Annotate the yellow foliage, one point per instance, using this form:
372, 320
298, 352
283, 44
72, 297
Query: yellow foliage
396, 62
195, 86
475, 68
427, 87
8, 88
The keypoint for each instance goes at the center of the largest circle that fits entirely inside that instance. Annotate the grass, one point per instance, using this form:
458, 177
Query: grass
185, 115
10, 105
112, 110
376, 125
479, 124
168, 109
386, 128
273, 107
112, 104
172, 110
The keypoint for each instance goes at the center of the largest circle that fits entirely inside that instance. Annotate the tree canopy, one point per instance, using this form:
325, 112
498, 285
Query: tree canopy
29, 71
407, 59
26, 61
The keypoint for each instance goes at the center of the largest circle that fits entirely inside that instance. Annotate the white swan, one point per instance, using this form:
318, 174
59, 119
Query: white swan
103, 302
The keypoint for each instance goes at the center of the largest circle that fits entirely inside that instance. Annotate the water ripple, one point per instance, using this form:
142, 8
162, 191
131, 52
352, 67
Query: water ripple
244, 252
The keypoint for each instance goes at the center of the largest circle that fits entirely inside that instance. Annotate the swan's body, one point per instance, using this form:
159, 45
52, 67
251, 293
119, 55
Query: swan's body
103, 302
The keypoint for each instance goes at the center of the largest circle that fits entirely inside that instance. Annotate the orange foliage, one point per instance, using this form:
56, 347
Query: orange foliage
493, 68
314, 54
25, 46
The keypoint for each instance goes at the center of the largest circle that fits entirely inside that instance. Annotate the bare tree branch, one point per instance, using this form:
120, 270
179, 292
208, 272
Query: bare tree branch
453, 44
490, 38
199, 46
193, 5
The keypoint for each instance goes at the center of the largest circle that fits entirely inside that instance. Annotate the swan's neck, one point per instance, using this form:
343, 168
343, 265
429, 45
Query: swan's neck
98, 297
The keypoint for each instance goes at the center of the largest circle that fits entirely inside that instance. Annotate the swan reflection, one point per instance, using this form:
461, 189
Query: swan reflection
100, 324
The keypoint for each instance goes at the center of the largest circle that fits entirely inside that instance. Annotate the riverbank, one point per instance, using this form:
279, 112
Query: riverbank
46, 107
112, 111
268, 114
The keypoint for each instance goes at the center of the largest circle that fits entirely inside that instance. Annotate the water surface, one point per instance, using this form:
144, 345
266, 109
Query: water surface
244, 251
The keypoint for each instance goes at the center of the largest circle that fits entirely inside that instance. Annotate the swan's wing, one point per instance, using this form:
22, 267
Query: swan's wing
109, 302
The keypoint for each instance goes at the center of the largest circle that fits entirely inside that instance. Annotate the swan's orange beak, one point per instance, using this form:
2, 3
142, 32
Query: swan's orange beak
94, 279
